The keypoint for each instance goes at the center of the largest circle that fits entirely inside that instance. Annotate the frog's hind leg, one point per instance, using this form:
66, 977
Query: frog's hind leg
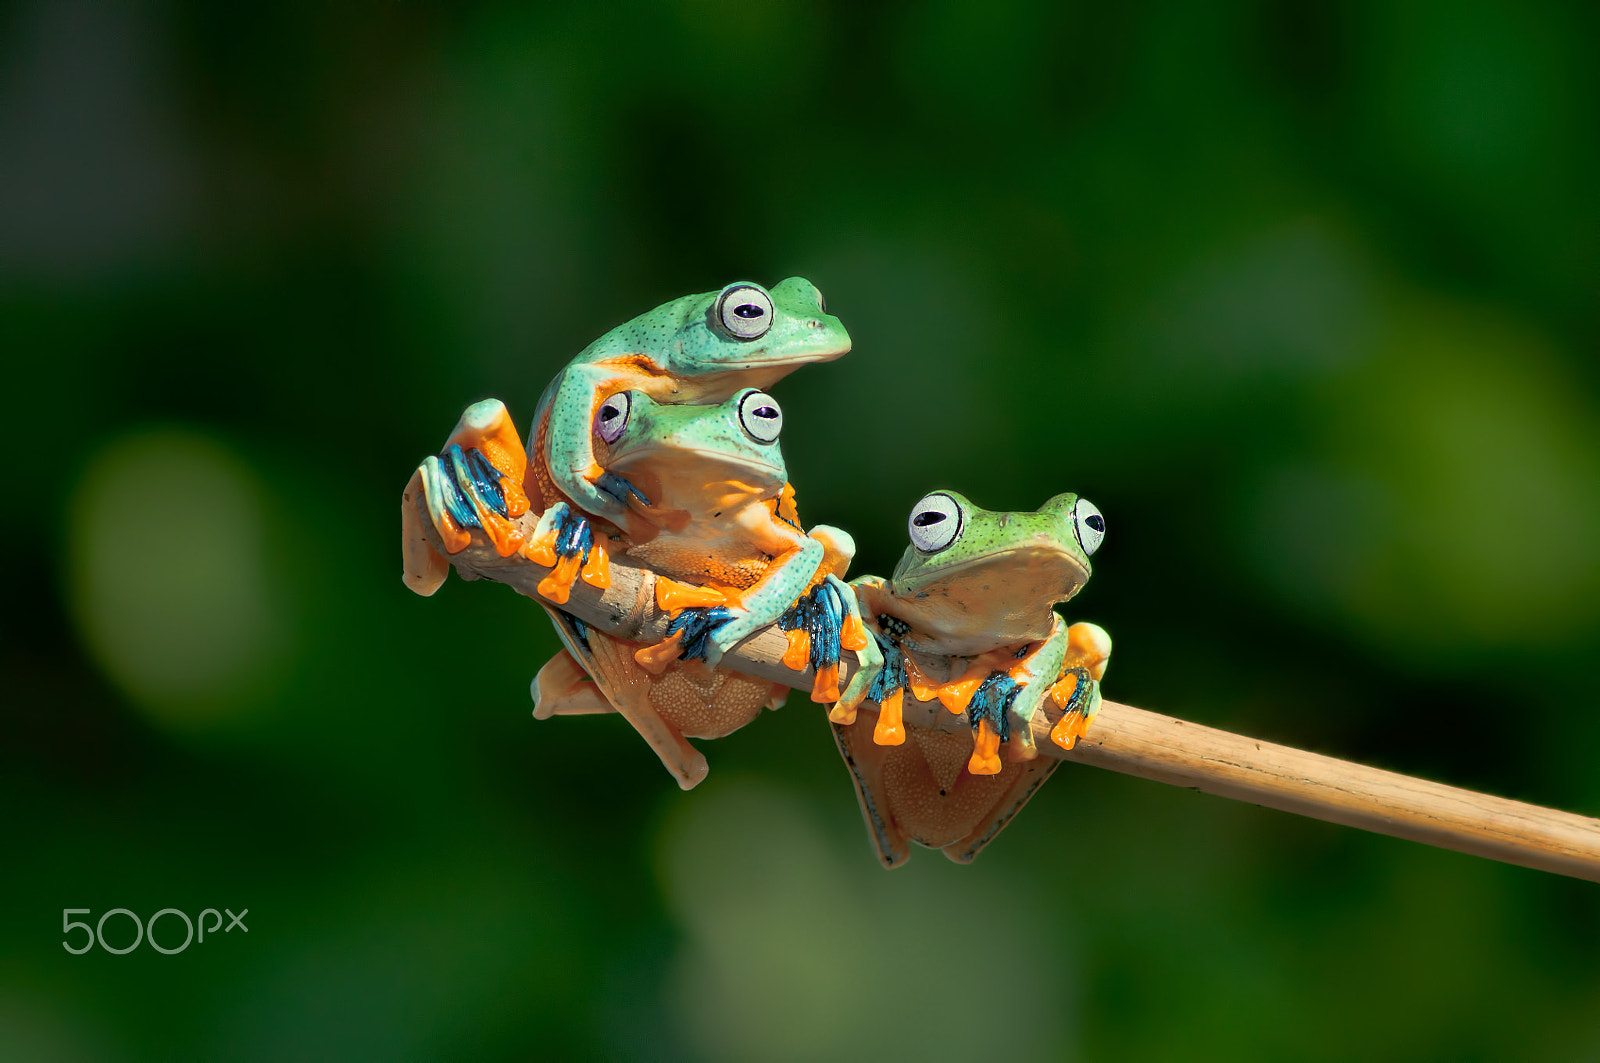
563, 688
609, 661
866, 760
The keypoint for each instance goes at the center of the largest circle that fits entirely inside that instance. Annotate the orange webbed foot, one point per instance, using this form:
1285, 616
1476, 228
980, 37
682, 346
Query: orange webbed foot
1074, 693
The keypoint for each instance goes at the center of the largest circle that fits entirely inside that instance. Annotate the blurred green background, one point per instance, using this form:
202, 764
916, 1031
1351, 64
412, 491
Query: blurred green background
1302, 295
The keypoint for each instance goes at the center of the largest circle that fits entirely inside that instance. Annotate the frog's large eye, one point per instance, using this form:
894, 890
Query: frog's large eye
760, 416
935, 522
745, 311
612, 416
1089, 525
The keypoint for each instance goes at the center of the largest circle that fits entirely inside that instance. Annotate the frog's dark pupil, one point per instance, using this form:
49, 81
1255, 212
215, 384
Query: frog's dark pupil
748, 310
767, 412
922, 520
609, 412
1097, 522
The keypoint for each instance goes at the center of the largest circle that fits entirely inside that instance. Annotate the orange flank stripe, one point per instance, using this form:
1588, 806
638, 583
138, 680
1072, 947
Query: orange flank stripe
674, 596
655, 659
890, 730
558, 585
825, 687
798, 655
853, 635
597, 573
985, 751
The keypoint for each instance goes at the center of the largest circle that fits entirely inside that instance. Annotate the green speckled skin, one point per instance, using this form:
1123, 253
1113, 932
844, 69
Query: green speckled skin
676, 353
996, 584
694, 435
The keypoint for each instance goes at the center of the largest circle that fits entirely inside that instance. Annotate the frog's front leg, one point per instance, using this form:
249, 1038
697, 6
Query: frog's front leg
1077, 693
579, 394
564, 542
795, 558
821, 623
1035, 672
475, 482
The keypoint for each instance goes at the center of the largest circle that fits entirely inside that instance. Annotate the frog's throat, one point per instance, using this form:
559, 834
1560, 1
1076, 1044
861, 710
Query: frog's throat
905, 586
620, 460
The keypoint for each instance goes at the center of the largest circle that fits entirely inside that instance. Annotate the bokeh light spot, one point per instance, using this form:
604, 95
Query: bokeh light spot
170, 577
799, 947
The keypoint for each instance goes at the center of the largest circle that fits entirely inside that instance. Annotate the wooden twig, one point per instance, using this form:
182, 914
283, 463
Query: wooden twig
1136, 742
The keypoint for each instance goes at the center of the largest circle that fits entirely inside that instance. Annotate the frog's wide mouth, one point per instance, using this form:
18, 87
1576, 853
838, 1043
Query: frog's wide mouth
1017, 558
620, 459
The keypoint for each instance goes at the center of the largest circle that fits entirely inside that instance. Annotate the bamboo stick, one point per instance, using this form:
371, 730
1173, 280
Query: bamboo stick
1136, 742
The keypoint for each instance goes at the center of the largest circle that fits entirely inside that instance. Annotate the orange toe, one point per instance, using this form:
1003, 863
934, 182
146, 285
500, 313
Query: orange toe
825, 686
675, 597
798, 655
454, 537
507, 537
558, 585
597, 572
985, 751
890, 730
542, 550
957, 696
655, 659
853, 634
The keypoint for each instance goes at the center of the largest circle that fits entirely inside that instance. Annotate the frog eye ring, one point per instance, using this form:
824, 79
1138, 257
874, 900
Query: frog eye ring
612, 416
760, 416
744, 311
1088, 524
935, 523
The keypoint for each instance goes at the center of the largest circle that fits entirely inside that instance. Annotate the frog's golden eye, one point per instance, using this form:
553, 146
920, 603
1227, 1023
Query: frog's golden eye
760, 416
935, 522
612, 416
1089, 525
744, 311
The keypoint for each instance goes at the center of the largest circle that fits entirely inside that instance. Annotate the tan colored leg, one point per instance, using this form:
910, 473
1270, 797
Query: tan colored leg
562, 688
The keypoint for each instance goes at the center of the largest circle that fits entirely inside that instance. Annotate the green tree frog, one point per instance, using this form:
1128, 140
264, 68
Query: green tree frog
724, 521
697, 349
980, 587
